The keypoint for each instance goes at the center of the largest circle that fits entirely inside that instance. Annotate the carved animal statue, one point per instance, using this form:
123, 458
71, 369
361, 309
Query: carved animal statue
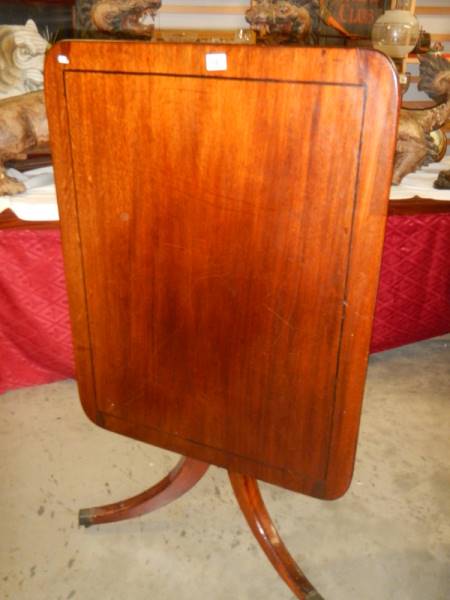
23, 126
124, 17
415, 147
291, 20
283, 17
22, 51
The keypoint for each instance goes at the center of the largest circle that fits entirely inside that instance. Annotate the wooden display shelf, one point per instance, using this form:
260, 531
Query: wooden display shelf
432, 10
8, 220
418, 206
188, 9
222, 36
412, 58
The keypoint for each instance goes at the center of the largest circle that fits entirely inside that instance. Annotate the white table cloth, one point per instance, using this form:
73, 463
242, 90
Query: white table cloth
38, 203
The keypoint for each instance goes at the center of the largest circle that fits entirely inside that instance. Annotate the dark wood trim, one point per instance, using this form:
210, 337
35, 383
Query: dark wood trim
34, 161
180, 480
8, 220
249, 497
55, 2
418, 206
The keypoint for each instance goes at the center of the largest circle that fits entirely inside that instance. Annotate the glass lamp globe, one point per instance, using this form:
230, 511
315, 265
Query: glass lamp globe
395, 33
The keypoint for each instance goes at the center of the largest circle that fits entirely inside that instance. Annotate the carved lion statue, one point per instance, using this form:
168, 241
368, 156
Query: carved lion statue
125, 17
286, 21
282, 17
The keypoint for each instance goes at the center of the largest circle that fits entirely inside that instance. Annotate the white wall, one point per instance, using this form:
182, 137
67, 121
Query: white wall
433, 24
228, 19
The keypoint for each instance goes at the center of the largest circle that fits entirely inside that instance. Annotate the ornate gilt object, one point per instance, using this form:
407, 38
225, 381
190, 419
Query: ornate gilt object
415, 146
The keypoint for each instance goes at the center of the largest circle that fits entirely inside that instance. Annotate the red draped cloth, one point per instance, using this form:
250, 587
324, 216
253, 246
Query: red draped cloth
35, 339
413, 301
35, 345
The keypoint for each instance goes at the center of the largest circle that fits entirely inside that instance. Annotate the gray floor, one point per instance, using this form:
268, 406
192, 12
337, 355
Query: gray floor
387, 538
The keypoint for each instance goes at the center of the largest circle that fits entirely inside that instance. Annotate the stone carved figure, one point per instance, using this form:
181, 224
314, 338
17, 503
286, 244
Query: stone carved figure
125, 17
415, 146
22, 51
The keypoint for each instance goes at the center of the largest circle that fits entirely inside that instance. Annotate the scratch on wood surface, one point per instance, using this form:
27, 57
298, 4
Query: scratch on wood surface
285, 321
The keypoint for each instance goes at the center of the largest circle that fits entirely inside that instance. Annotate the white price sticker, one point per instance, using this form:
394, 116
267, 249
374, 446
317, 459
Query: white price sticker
216, 61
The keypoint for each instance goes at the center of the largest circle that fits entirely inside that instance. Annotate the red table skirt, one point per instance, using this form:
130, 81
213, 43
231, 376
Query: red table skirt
35, 338
413, 300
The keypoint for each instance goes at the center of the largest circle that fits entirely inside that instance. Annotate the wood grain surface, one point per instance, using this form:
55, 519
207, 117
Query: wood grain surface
222, 233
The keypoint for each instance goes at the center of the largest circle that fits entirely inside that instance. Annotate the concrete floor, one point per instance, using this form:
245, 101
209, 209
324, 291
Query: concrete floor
388, 538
